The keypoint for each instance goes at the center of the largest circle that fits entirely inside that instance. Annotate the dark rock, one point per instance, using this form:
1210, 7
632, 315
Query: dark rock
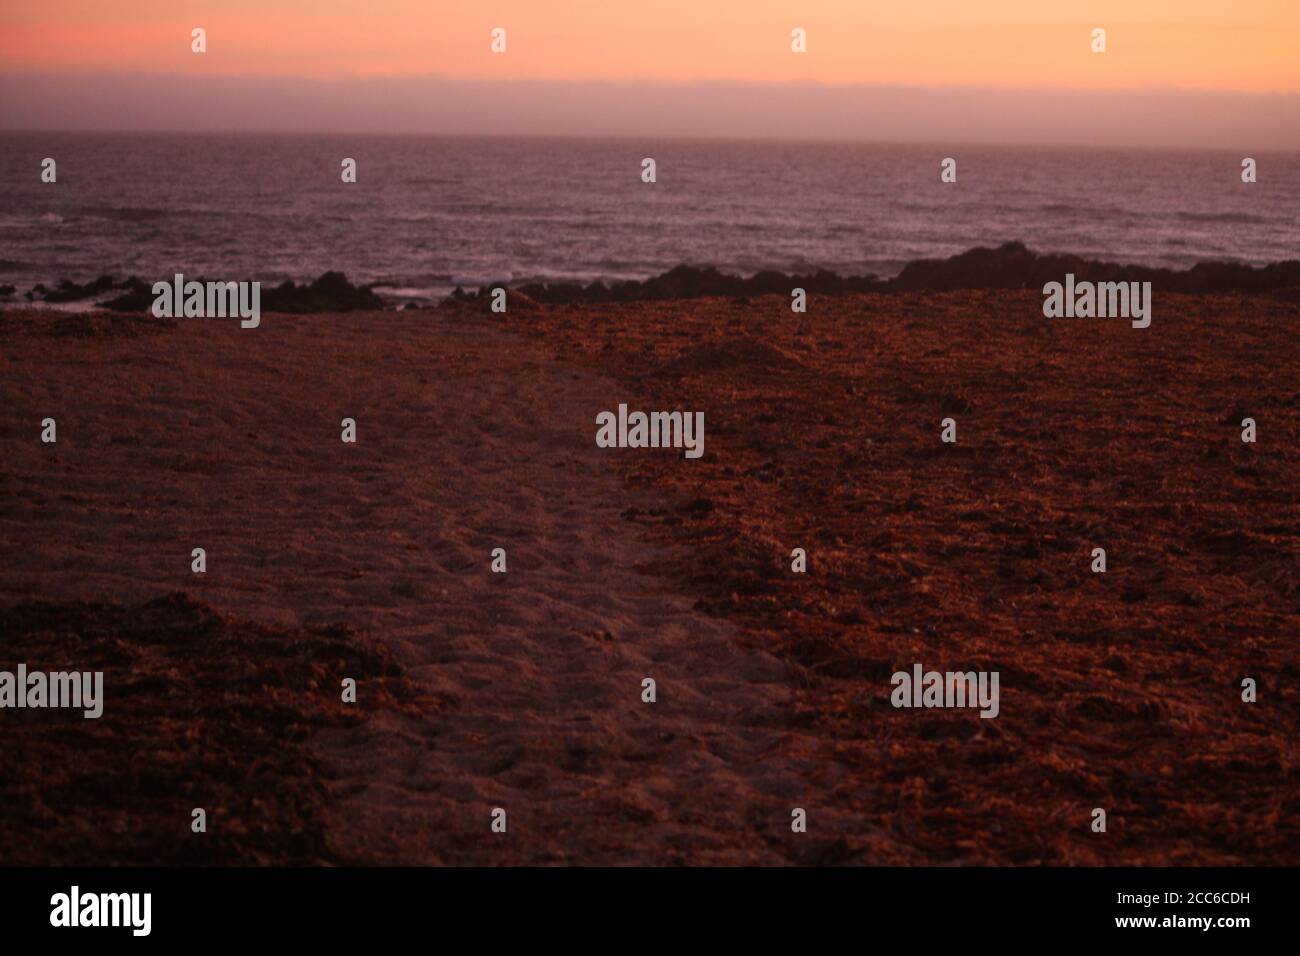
138, 297
1013, 266
71, 292
332, 292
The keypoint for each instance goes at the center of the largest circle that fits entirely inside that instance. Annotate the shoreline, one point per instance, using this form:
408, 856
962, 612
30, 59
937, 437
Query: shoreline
1011, 265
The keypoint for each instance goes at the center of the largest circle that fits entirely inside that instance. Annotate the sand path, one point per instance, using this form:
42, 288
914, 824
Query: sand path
469, 439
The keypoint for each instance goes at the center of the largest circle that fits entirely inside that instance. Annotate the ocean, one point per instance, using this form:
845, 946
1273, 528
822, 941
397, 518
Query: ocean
431, 213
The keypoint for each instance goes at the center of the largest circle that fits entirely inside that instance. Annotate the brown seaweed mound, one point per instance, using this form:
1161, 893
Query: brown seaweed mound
200, 711
1120, 690
741, 352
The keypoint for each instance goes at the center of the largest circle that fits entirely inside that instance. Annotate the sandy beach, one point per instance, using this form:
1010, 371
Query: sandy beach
523, 690
527, 684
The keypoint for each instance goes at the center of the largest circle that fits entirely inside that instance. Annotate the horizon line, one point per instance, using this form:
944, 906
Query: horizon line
637, 81
658, 138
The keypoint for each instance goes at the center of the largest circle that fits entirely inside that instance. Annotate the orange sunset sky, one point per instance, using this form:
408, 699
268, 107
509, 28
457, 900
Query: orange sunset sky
74, 62
1201, 44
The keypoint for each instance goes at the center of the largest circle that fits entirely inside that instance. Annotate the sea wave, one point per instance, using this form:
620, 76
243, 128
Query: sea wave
1225, 217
